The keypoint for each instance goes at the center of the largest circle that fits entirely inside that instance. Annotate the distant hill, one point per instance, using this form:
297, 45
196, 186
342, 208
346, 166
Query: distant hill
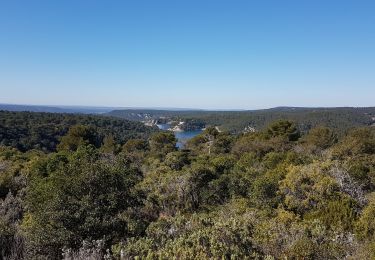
33, 130
79, 109
341, 118
56, 109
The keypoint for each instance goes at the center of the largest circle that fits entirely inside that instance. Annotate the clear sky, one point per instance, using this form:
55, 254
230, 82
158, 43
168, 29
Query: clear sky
188, 53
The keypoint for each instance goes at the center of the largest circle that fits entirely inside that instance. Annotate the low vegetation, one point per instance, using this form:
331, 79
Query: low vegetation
278, 193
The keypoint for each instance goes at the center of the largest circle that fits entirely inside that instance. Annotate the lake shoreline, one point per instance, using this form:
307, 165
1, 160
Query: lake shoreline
182, 136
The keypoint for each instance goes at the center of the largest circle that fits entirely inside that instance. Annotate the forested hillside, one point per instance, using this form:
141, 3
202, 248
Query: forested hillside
55, 109
272, 194
43, 131
340, 119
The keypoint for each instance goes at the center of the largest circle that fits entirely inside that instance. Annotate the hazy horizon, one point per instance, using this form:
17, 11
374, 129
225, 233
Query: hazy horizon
191, 54
110, 108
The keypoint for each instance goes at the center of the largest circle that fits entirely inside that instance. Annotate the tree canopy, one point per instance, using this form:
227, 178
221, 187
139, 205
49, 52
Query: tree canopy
278, 193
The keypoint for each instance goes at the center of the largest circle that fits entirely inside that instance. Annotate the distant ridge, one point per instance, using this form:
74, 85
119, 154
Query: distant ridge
102, 110
339, 118
83, 109
55, 109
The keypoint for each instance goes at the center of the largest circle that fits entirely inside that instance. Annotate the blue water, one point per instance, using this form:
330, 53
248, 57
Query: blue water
182, 137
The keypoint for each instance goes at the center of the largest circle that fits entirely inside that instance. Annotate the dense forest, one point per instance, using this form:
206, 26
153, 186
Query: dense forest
55, 109
43, 131
88, 187
340, 119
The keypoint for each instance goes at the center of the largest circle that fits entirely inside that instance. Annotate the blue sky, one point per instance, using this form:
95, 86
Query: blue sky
188, 53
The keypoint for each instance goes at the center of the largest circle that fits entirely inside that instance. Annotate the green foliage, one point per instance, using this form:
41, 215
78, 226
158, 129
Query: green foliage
112, 191
13, 168
91, 199
78, 135
307, 187
211, 141
134, 145
264, 189
163, 143
43, 131
278, 137
320, 138
172, 192
337, 214
252, 143
109, 144
286, 236
11, 213
366, 223
223, 163
362, 169
225, 235
358, 141
177, 160
283, 129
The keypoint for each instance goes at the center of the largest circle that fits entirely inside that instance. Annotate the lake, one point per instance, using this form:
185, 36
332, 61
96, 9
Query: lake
183, 136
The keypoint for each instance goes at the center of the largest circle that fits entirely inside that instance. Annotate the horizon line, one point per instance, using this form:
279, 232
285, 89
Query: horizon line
173, 108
